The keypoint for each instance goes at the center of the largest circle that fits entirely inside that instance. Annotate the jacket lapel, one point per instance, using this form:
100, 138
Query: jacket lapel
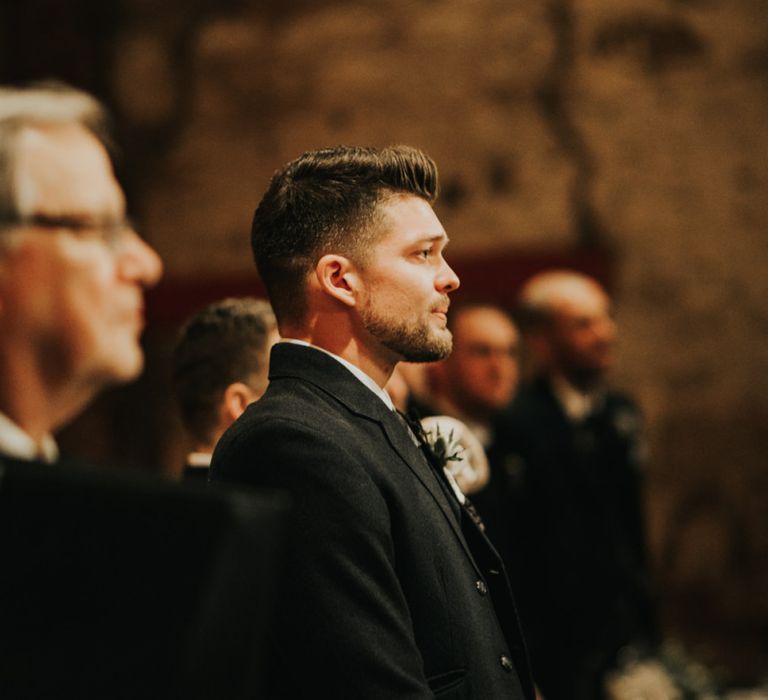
330, 376
400, 439
413, 458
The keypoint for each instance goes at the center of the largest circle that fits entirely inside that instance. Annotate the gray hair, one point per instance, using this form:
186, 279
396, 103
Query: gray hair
40, 105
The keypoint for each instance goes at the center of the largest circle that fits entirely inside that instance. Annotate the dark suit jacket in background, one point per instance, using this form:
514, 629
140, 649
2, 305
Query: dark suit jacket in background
121, 586
574, 506
391, 591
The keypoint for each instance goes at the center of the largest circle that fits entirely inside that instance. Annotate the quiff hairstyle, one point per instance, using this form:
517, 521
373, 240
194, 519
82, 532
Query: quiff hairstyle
225, 342
40, 106
327, 201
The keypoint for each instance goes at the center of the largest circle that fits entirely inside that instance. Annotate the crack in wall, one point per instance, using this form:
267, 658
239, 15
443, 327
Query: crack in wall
554, 104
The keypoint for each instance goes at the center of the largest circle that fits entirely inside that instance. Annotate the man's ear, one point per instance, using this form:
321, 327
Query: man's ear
236, 398
338, 277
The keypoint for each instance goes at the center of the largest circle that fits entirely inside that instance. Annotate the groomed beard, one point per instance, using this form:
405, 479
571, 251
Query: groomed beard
413, 343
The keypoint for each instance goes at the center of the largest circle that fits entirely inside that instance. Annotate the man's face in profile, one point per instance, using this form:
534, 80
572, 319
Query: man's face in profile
71, 281
404, 303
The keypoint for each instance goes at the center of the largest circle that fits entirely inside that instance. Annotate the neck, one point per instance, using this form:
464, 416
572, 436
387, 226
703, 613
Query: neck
336, 338
38, 407
206, 448
583, 382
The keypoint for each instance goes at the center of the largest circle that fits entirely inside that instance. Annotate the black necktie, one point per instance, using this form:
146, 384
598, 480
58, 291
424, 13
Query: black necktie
416, 430
413, 428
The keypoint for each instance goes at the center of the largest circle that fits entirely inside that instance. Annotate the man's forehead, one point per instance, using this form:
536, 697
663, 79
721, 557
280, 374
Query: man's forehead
585, 305
64, 169
409, 218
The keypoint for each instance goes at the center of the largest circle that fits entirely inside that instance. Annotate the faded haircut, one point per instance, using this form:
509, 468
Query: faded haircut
327, 201
225, 342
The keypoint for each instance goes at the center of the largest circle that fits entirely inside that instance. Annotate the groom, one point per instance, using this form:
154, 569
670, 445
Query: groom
392, 591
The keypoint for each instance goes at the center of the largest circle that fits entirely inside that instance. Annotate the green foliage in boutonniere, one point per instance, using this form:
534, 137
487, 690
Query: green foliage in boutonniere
446, 449
451, 447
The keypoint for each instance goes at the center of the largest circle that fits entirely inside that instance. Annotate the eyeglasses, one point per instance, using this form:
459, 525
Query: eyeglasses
111, 233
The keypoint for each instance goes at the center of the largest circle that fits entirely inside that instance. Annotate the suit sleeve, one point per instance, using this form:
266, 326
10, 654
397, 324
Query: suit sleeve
343, 628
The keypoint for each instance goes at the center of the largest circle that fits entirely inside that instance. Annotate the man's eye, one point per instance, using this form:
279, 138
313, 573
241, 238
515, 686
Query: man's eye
425, 253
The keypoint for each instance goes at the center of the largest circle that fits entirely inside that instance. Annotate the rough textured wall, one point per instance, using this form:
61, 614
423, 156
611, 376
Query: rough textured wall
636, 126
458, 79
671, 99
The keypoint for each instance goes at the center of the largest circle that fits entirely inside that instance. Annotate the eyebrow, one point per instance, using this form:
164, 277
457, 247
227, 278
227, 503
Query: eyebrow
431, 238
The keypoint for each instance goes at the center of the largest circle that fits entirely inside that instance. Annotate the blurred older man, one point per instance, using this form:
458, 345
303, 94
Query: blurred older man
72, 268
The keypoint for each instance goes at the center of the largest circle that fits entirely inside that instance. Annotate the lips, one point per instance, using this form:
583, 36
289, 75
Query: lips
442, 307
136, 318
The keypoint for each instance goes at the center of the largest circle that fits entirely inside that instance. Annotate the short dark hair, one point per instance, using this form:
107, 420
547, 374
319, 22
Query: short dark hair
225, 342
324, 202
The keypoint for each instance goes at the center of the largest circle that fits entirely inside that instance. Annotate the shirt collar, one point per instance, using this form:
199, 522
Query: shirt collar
199, 459
576, 404
14, 442
361, 376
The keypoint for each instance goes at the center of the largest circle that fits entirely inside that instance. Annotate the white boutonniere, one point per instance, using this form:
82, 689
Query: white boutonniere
458, 452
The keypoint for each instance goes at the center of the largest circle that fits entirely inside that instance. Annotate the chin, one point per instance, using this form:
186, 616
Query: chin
126, 367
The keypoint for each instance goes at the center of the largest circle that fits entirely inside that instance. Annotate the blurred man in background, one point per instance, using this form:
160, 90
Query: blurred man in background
577, 531
72, 268
220, 365
480, 376
473, 384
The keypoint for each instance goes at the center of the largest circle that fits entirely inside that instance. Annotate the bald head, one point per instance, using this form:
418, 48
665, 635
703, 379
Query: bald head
566, 318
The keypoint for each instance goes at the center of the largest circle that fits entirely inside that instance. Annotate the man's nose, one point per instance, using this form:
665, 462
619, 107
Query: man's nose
138, 262
447, 281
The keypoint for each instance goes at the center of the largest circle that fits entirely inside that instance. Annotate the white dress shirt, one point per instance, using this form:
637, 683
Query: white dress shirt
199, 459
576, 404
14, 442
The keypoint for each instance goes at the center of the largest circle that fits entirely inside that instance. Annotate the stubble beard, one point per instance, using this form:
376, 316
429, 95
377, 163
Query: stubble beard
411, 342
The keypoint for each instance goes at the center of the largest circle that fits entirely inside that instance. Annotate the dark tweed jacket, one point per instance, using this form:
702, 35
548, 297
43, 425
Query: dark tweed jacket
390, 590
